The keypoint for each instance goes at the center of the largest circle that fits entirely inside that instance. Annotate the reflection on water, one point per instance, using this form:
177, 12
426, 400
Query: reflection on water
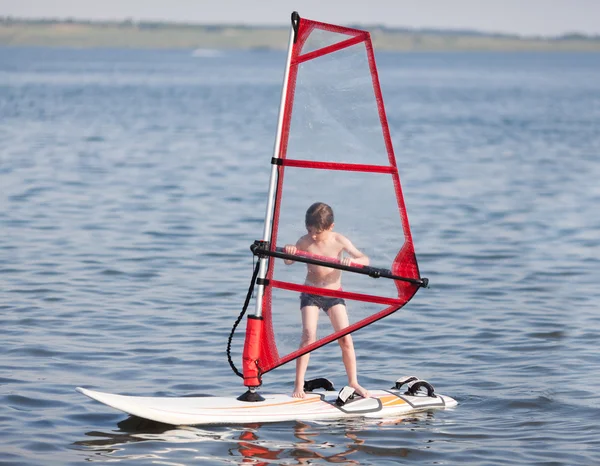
304, 443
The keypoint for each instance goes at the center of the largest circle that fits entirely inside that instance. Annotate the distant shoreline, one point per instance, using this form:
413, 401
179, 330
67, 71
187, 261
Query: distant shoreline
145, 34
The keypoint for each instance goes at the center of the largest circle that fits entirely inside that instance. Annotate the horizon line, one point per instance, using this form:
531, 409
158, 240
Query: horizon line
133, 21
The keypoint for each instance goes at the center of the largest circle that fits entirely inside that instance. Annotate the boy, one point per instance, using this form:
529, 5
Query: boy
323, 241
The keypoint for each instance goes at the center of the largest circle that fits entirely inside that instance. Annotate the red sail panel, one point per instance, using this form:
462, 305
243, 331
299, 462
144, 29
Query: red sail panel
335, 148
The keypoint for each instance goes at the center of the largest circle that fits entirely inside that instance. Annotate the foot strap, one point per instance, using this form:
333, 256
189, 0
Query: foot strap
414, 385
315, 384
346, 394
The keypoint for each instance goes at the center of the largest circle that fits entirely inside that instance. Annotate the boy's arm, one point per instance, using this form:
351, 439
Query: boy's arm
358, 257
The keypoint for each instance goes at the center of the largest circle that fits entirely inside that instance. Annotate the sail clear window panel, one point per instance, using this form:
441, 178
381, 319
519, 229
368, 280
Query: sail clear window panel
287, 319
335, 117
364, 205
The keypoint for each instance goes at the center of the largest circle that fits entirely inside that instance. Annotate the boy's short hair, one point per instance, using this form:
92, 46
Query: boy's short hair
319, 215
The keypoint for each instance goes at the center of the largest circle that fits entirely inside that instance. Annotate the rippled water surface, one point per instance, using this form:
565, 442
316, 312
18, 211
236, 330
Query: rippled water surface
133, 182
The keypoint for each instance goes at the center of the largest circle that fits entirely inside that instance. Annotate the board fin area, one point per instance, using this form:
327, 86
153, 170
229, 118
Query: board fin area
317, 406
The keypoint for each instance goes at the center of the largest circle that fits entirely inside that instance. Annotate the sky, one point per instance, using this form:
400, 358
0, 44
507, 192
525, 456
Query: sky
523, 17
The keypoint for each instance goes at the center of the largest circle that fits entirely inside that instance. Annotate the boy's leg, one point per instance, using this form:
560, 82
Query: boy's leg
339, 320
310, 317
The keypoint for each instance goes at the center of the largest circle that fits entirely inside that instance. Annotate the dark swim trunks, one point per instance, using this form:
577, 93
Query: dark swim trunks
322, 302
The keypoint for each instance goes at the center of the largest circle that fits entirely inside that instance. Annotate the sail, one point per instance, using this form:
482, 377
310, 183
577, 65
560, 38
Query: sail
334, 147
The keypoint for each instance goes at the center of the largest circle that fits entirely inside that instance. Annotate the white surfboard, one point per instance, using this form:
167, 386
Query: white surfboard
274, 408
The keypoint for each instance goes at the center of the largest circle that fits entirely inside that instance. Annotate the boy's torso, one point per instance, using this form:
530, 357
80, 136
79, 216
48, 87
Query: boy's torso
319, 276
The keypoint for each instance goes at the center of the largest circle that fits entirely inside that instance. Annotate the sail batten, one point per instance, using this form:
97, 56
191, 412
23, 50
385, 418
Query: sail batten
336, 293
330, 49
338, 166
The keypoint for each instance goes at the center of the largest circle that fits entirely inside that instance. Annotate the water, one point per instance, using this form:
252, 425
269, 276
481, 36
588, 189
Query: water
133, 182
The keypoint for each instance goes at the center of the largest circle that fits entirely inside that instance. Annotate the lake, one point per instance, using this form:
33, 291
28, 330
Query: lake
132, 184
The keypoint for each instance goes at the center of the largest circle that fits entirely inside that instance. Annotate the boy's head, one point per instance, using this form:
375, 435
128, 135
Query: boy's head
319, 216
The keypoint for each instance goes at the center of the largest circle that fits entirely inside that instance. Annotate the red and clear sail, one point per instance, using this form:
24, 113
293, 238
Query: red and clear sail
335, 148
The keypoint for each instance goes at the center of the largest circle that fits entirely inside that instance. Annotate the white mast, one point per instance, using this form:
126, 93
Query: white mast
262, 272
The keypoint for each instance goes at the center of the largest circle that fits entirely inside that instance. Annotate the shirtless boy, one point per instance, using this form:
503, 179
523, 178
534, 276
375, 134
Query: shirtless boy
323, 241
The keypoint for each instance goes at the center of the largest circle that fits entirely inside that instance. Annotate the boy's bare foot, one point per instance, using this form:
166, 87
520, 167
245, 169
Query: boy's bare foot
298, 392
361, 391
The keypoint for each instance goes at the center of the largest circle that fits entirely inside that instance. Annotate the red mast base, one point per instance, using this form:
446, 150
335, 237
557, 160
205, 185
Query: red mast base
251, 354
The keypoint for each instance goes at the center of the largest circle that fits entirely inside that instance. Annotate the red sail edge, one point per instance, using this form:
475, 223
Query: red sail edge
304, 143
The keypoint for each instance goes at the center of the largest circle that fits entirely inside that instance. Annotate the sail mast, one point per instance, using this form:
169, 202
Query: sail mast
273, 180
254, 325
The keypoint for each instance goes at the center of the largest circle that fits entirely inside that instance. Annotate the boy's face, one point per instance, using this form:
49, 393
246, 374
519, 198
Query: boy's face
318, 234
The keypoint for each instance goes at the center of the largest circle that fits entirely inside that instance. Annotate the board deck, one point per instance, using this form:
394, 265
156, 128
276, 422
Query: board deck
275, 408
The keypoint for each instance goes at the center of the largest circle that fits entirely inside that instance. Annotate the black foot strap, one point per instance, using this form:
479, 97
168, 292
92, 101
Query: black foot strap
414, 385
315, 384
